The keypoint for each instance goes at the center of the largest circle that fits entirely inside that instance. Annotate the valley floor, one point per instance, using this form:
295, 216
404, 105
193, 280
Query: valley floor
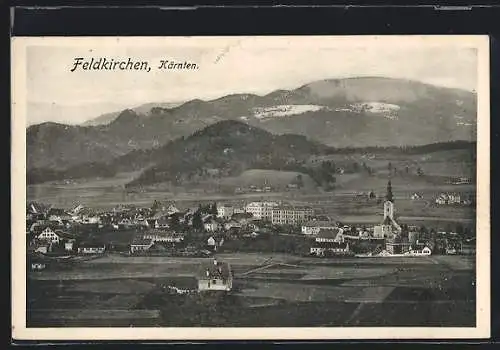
269, 290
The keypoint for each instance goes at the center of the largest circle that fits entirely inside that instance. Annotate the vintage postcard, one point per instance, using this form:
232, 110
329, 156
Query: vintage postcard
279, 187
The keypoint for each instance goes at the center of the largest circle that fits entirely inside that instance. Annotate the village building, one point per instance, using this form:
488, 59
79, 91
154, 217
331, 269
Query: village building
225, 211
261, 210
233, 224
36, 263
216, 276
334, 235
312, 228
91, 248
211, 225
158, 235
211, 242
140, 244
49, 235
421, 251
329, 248
389, 227
291, 215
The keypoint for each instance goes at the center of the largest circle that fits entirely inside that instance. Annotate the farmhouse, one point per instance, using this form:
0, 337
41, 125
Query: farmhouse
216, 276
211, 225
140, 244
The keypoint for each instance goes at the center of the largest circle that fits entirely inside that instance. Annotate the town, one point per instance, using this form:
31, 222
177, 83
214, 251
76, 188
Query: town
207, 229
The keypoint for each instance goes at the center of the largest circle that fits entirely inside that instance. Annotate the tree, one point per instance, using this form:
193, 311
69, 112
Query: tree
197, 222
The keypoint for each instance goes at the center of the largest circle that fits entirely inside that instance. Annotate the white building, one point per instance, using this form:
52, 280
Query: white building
216, 277
89, 248
225, 211
333, 235
261, 210
291, 215
312, 228
49, 235
211, 226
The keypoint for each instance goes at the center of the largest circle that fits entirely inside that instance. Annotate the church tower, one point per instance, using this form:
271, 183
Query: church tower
389, 203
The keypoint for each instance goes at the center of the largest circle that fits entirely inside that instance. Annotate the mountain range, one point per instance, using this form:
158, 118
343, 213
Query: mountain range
353, 112
226, 148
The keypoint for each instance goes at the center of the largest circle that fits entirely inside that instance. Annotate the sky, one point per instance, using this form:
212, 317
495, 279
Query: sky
226, 65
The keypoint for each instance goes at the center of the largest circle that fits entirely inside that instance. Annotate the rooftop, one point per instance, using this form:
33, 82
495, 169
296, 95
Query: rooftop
215, 269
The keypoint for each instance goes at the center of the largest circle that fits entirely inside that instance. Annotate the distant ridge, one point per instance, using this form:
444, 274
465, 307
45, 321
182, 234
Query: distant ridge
223, 149
351, 112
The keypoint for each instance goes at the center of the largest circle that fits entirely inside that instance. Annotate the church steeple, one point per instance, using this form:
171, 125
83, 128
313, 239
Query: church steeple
388, 196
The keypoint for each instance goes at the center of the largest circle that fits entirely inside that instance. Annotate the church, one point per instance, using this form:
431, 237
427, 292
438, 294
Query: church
389, 227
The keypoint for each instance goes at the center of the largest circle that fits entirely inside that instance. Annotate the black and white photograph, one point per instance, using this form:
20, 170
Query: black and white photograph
279, 187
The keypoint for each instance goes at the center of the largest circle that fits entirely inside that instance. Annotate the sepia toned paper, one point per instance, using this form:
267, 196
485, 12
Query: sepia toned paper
82, 105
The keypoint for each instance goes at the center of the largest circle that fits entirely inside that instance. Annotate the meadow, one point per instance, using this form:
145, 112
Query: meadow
116, 290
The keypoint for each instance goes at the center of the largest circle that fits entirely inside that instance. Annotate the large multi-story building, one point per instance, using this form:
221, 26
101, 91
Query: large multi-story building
261, 210
291, 215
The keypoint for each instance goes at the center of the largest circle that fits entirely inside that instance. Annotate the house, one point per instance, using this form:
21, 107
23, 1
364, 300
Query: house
397, 247
49, 235
140, 244
329, 248
424, 251
312, 228
330, 235
232, 224
211, 226
416, 196
40, 247
162, 222
124, 223
225, 211
91, 248
216, 276
159, 235
69, 245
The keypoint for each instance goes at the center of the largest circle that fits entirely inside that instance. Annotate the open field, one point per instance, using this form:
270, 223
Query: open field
269, 290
